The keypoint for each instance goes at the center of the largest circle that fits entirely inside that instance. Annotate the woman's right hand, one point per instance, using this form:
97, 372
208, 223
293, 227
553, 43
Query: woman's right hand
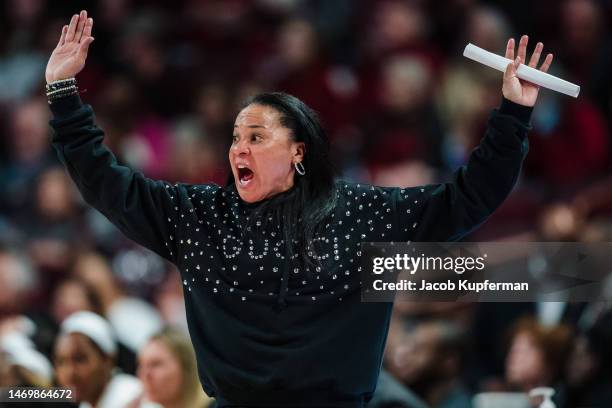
68, 57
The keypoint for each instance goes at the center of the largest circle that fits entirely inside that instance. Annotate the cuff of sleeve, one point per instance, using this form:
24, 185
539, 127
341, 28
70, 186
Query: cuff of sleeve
520, 112
63, 106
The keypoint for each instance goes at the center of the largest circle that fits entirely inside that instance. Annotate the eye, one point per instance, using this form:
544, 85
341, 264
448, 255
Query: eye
256, 137
234, 138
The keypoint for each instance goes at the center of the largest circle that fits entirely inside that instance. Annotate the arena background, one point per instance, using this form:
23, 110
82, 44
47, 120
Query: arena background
401, 106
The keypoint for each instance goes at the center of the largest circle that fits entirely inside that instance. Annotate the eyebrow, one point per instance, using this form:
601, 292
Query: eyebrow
253, 126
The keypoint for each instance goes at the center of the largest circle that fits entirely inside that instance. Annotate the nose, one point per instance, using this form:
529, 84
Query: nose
240, 147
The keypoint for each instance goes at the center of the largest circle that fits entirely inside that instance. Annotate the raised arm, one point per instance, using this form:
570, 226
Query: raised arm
449, 211
144, 210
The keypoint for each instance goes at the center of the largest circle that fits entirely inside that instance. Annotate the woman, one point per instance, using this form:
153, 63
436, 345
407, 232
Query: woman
536, 354
84, 357
269, 262
168, 372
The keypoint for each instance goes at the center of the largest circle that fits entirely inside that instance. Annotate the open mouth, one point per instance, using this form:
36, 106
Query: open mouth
245, 175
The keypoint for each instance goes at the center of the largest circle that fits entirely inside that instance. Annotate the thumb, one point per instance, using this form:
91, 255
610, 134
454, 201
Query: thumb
85, 46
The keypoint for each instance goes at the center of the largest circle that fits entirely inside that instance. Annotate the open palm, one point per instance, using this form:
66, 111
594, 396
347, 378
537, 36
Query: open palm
518, 90
68, 57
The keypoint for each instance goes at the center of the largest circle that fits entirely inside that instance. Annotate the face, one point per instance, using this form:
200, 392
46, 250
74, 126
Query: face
525, 362
160, 373
54, 197
263, 154
68, 298
80, 366
413, 358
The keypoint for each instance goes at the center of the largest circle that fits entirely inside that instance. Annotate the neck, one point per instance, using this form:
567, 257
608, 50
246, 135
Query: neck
173, 404
95, 399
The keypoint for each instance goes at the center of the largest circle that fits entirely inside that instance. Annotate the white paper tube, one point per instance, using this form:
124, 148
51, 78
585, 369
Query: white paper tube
524, 72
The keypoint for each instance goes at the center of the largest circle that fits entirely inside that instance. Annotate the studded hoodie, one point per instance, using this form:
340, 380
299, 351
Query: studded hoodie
267, 333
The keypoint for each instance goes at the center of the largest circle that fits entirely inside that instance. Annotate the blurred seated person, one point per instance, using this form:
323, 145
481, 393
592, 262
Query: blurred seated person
588, 372
428, 359
84, 359
536, 355
168, 372
21, 365
73, 295
404, 138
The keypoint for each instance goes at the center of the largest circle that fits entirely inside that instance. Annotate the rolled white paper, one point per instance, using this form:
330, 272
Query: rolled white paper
524, 72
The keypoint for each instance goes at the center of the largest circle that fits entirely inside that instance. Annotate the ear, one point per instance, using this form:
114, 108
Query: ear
299, 148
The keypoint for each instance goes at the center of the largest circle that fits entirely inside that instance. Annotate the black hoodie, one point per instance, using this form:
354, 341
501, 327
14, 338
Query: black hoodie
265, 332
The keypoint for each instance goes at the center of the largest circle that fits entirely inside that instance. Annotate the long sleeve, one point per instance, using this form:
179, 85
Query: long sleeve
144, 210
449, 211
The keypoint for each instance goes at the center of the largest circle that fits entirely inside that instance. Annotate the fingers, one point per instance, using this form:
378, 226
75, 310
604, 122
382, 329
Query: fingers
87, 29
511, 69
535, 57
76, 30
522, 54
546, 63
72, 28
510, 49
84, 47
80, 25
509, 73
62, 39
522, 49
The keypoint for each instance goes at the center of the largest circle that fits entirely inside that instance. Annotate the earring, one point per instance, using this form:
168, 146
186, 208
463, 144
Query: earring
299, 167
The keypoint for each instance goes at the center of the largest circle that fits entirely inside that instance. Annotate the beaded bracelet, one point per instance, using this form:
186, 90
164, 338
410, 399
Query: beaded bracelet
61, 89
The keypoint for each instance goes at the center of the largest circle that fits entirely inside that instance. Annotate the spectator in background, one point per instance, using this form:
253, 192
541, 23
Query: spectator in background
21, 364
170, 302
428, 359
301, 66
145, 60
28, 156
199, 140
168, 371
467, 88
392, 28
84, 359
404, 136
586, 50
211, 107
21, 60
55, 225
569, 145
398, 27
133, 320
120, 108
588, 371
18, 282
73, 295
537, 354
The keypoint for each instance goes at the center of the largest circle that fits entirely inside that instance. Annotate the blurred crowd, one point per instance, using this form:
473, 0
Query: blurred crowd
401, 106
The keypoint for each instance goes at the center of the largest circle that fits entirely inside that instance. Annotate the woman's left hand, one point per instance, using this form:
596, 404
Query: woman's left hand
515, 89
